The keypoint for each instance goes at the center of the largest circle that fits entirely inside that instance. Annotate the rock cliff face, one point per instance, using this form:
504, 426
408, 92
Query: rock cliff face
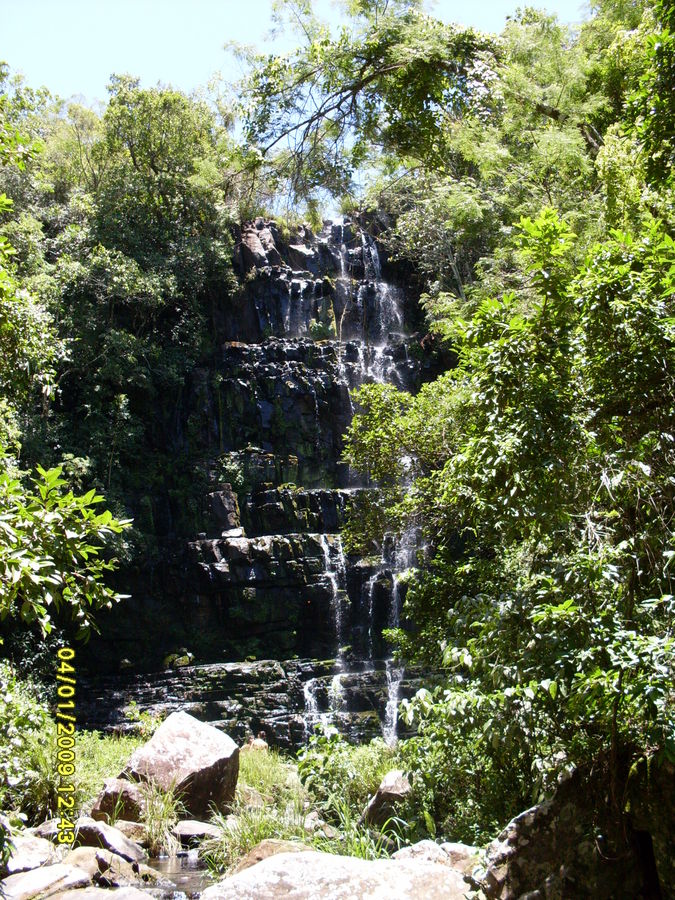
267, 576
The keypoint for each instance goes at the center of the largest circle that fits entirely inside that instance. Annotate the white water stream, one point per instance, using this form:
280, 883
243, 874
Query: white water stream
377, 304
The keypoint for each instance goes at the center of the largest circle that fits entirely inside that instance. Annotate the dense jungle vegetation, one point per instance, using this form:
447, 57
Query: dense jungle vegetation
527, 178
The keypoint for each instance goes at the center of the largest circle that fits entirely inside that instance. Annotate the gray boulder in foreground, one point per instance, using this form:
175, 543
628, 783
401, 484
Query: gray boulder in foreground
30, 851
197, 760
44, 882
312, 875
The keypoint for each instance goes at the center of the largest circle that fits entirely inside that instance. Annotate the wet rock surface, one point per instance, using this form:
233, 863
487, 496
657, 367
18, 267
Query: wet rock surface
246, 698
264, 574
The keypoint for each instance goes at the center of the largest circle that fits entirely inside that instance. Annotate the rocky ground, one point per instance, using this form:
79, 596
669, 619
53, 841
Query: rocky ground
201, 763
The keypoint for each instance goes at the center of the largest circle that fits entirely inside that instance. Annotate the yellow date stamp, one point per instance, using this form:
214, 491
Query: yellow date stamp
65, 742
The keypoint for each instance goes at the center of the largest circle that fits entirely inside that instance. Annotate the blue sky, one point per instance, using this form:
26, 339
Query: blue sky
73, 46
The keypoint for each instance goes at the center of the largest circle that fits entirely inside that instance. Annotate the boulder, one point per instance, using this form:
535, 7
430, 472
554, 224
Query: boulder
428, 851
303, 258
650, 808
190, 831
98, 893
199, 762
250, 798
47, 829
462, 856
252, 252
135, 831
225, 508
90, 833
119, 798
107, 869
266, 237
310, 874
43, 882
564, 848
267, 848
313, 822
393, 789
29, 852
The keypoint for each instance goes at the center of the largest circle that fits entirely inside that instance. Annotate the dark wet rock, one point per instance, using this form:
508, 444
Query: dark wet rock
199, 762
245, 698
225, 508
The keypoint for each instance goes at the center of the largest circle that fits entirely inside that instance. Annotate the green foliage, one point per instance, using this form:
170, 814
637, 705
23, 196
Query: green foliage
273, 776
250, 826
50, 552
331, 768
28, 777
355, 838
392, 83
321, 331
280, 815
145, 723
547, 596
652, 103
98, 756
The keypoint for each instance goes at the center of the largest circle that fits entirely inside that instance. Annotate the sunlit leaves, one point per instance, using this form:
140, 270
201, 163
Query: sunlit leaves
52, 551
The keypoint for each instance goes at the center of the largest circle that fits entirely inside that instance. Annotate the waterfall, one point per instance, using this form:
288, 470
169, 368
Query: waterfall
369, 589
335, 570
394, 678
371, 258
404, 559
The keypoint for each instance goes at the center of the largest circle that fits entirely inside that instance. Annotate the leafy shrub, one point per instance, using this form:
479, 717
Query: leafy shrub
28, 777
145, 723
330, 767
321, 331
465, 787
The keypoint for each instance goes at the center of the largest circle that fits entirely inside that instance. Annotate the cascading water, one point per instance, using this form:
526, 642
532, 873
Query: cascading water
376, 306
267, 572
335, 572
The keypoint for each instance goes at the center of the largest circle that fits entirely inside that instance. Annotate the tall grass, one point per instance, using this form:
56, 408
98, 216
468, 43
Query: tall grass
162, 809
275, 778
100, 756
246, 827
